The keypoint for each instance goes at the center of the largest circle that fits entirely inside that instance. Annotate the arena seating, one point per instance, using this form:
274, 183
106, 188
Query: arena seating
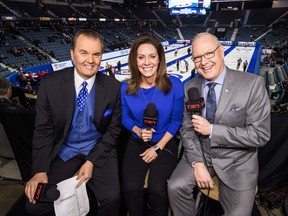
55, 36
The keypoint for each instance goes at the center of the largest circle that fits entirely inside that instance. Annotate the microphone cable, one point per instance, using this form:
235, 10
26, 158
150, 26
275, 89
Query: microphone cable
205, 203
194, 96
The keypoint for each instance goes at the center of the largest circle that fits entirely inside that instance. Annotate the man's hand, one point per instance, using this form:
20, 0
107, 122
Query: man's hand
32, 184
85, 172
201, 125
202, 176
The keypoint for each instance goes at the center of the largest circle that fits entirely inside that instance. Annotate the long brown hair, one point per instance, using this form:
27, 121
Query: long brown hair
163, 82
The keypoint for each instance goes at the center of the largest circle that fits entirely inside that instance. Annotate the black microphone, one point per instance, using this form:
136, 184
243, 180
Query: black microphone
46, 192
150, 116
195, 104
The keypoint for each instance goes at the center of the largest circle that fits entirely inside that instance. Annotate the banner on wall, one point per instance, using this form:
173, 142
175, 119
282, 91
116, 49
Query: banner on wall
61, 65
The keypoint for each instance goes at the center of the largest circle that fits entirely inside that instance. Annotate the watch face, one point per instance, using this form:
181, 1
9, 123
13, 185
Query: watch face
157, 150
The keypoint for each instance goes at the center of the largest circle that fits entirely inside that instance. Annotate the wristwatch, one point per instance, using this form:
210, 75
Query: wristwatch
157, 149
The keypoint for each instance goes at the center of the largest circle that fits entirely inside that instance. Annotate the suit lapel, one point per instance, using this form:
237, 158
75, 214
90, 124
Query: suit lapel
199, 85
196, 83
68, 94
100, 93
226, 93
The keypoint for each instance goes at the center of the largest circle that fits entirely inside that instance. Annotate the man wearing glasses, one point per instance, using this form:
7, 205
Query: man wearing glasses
222, 141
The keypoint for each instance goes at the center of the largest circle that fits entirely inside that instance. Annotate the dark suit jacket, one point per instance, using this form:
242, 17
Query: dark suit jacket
6, 104
19, 124
55, 106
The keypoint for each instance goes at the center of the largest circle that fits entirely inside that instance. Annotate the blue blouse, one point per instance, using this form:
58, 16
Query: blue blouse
170, 108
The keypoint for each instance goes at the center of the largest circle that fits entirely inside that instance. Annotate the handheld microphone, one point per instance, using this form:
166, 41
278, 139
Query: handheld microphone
150, 116
46, 192
195, 104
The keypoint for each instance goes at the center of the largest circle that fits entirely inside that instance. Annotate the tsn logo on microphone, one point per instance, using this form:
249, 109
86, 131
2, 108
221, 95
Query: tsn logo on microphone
196, 105
149, 122
38, 191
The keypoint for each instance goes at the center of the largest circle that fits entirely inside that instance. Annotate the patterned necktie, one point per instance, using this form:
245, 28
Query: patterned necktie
211, 103
83, 94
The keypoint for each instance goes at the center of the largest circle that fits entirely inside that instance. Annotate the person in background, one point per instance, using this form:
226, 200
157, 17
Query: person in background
6, 102
39, 75
107, 66
111, 71
188, 50
21, 78
77, 124
32, 80
193, 72
177, 64
186, 65
155, 148
119, 67
175, 52
224, 140
245, 65
45, 72
239, 61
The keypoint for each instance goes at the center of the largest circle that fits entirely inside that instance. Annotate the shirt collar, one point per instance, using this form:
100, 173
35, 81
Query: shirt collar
220, 78
78, 80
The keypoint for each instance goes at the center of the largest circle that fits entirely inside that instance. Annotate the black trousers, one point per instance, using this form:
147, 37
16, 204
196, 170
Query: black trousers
104, 184
134, 172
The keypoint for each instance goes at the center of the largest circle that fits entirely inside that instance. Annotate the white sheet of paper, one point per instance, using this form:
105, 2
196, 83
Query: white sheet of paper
72, 201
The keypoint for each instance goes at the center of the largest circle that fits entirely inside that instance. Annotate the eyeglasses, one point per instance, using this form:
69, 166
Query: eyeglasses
207, 55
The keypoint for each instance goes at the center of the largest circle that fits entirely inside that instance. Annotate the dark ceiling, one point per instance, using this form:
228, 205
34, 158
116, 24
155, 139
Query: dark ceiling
215, 5
144, 2
163, 3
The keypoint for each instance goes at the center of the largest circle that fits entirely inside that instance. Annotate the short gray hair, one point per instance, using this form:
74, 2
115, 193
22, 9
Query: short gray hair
201, 34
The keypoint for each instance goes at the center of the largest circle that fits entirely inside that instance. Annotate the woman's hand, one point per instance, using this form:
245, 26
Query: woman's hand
149, 155
146, 134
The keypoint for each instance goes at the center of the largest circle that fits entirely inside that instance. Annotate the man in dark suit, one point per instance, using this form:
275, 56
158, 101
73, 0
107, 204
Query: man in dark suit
223, 141
76, 128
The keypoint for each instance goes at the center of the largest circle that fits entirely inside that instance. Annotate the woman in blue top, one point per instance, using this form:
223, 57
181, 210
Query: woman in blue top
150, 147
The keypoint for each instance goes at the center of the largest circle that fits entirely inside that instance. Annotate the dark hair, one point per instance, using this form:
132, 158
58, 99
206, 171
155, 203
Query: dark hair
4, 86
89, 33
163, 82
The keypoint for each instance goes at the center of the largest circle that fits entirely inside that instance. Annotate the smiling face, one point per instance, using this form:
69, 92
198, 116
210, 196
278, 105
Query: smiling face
147, 60
87, 55
210, 68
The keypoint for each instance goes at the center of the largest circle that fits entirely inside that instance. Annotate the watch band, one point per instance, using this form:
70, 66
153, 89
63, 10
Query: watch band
193, 163
157, 149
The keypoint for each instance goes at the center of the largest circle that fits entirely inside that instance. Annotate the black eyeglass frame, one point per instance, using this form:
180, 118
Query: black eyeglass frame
212, 53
